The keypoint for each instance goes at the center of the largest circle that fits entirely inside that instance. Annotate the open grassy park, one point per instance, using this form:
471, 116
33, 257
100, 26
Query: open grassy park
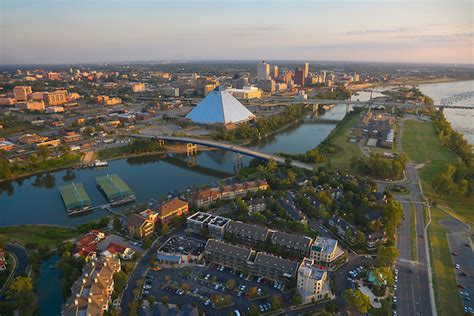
421, 144
339, 157
41, 235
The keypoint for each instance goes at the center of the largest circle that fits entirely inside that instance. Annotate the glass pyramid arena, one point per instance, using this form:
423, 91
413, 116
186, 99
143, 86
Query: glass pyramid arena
220, 107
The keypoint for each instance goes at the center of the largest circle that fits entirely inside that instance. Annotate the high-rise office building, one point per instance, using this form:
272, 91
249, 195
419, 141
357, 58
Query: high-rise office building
306, 70
267, 85
275, 72
298, 77
263, 71
324, 76
21, 92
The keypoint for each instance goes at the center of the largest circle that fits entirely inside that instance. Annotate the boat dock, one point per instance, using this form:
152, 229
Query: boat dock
115, 190
75, 198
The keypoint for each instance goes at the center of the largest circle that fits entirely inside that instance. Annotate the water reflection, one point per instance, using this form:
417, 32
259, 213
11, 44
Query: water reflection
45, 180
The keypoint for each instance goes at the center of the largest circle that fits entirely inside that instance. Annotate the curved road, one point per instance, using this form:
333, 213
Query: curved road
21, 257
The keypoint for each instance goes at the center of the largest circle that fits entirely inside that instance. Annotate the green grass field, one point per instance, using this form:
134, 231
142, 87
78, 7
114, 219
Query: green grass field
420, 142
444, 279
340, 159
42, 235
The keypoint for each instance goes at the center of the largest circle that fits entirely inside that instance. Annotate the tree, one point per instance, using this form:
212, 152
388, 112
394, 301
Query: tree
231, 284
356, 300
443, 183
254, 311
296, 300
5, 172
43, 152
165, 229
21, 284
185, 287
148, 242
252, 292
277, 302
386, 255
168, 278
117, 225
383, 274
165, 300
120, 281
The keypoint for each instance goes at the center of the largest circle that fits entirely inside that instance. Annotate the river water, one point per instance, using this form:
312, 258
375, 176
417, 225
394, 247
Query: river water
36, 199
461, 120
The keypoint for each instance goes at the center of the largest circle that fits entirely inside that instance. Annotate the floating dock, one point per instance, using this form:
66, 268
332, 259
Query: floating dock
115, 190
75, 198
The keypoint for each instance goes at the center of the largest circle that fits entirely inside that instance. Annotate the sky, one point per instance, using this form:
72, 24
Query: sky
80, 31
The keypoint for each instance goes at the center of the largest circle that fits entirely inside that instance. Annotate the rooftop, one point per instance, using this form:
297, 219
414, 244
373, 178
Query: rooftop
324, 245
228, 249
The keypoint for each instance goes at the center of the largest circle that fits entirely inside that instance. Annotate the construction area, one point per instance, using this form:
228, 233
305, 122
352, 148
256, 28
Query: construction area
115, 190
75, 198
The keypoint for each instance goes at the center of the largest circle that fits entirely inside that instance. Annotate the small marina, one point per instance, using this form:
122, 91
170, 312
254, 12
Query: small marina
115, 190
75, 198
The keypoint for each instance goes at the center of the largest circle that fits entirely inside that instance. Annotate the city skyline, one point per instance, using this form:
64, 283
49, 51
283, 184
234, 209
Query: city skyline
118, 31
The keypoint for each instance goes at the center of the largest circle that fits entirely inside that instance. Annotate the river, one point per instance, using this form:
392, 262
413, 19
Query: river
461, 120
36, 199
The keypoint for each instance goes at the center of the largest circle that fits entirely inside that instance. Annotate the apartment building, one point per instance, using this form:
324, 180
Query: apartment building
172, 208
139, 226
92, 292
235, 257
213, 224
274, 268
207, 197
293, 244
247, 233
324, 250
312, 282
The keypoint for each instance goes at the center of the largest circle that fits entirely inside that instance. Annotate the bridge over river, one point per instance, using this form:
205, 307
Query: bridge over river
227, 146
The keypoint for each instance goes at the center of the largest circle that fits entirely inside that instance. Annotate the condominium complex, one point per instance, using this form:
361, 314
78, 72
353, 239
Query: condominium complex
312, 282
324, 249
258, 263
294, 244
247, 233
213, 224
172, 208
92, 292
207, 197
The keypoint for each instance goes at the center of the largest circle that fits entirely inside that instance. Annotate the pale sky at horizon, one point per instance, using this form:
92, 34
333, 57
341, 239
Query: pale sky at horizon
72, 31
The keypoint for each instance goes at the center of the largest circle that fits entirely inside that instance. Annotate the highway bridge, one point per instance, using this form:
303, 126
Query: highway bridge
277, 101
226, 146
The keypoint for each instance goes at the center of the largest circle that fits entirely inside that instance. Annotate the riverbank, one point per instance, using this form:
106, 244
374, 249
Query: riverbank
41, 235
337, 148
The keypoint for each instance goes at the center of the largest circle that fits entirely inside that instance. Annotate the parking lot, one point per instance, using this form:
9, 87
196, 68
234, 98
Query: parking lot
183, 245
463, 261
205, 283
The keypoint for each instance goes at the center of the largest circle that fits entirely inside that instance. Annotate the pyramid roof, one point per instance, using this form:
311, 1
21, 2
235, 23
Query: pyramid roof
220, 107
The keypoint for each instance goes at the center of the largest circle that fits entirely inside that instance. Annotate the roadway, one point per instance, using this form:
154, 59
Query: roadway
21, 257
227, 146
413, 295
